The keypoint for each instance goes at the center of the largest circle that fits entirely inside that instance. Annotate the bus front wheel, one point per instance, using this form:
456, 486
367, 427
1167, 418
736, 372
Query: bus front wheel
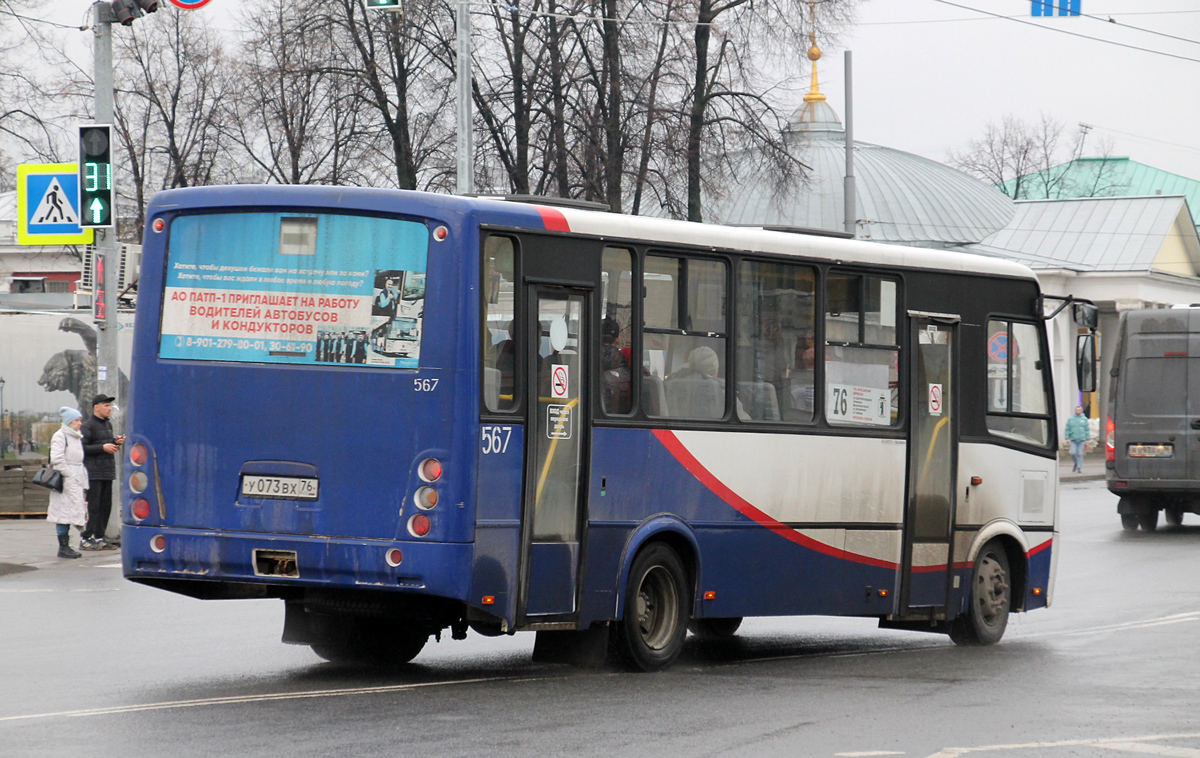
650, 636
990, 601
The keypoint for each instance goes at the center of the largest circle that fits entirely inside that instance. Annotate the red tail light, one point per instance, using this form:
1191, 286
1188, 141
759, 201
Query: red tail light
419, 525
140, 509
430, 470
1110, 439
138, 454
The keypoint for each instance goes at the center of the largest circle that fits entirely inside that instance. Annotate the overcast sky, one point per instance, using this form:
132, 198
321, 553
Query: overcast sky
928, 76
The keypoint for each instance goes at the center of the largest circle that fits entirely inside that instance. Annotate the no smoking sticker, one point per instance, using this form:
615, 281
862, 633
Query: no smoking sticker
559, 380
935, 400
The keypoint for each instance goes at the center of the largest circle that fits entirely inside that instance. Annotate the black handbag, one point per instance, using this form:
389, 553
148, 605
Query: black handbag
49, 478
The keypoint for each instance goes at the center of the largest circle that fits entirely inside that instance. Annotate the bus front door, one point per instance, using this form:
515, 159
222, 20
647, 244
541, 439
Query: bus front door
555, 468
929, 515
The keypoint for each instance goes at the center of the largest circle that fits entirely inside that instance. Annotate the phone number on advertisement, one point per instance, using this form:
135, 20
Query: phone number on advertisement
223, 343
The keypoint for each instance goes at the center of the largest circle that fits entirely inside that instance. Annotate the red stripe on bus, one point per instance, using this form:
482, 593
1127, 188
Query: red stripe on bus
553, 219
739, 504
1039, 548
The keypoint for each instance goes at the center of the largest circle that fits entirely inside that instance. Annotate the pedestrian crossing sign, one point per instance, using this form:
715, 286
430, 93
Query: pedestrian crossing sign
48, 205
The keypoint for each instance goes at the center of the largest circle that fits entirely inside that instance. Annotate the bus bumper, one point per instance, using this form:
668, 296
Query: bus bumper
275, 562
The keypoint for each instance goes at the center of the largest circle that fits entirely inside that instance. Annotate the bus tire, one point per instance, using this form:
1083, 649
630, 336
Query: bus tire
1129, 522
651, 634
715, 629
376, 644
1174, 516
991, 598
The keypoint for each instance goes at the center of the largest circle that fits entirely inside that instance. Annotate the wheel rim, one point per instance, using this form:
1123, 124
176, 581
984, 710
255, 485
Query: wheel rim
992, 590
657, 604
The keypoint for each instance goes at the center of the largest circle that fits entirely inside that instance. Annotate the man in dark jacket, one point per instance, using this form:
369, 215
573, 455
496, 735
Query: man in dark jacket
99, 458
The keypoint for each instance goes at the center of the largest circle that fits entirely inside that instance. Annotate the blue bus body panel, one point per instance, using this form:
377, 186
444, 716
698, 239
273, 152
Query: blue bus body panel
362, 430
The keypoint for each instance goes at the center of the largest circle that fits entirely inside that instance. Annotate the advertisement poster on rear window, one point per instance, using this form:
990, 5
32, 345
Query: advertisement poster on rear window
320, 289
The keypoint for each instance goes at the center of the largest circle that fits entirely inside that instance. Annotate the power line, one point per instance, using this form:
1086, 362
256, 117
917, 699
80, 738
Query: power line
16, 15
1109, 19
1070, 33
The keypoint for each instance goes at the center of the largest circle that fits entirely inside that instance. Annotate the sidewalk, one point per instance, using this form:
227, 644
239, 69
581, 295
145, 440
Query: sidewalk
1093, 466
27, 544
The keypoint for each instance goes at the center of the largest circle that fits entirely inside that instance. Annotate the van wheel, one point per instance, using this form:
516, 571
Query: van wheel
1129, 522
715, 629
650, 636
991, 598
1148, 519
1174, 516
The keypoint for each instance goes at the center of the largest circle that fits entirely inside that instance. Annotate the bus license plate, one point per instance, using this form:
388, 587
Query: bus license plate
1151, 451
279, 487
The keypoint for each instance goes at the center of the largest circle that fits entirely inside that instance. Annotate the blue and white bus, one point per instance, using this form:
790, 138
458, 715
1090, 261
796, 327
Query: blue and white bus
402, 413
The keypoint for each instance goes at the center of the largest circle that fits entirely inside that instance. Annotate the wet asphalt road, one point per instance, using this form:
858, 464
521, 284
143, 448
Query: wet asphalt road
94, 665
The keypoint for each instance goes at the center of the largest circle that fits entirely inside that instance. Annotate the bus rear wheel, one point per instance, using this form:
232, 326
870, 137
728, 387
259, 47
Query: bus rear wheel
651, 634
375, 644
715, 629
991, 598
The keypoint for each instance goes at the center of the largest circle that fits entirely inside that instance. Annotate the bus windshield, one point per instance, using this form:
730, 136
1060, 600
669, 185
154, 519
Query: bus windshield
291, 288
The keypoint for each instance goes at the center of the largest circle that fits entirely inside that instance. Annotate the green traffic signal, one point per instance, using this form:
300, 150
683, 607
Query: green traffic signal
384, 5
95, 176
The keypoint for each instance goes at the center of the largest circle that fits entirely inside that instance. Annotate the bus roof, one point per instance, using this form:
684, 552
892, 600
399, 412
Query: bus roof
500, 212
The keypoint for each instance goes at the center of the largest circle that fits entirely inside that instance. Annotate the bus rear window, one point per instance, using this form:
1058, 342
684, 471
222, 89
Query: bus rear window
319, 289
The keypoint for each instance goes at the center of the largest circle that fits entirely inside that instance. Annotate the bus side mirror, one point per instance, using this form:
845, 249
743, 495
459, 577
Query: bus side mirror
1085, 362
1085, 314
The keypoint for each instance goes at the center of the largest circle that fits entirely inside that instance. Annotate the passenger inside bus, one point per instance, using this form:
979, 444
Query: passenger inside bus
801, 381
615, 376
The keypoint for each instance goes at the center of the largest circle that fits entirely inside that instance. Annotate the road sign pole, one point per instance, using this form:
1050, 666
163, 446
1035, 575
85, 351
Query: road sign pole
462, 68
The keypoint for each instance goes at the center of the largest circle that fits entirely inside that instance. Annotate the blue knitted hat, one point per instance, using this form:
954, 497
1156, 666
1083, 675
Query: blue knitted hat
68, 414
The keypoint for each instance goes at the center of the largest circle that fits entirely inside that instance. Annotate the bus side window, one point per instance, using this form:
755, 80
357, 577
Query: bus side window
862, 353
776, 341
499, 327
616, 345
1017, 406
684, 333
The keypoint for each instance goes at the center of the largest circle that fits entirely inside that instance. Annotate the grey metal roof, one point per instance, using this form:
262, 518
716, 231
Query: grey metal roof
901, 197
1093, 234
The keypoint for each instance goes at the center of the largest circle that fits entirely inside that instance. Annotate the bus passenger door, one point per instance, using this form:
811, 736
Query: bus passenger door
928, 519
555, 467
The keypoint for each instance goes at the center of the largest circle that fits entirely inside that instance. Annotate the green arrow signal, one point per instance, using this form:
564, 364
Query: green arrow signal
97, 209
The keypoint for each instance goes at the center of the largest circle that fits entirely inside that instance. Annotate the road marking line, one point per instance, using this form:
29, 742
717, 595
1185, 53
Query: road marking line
88, 589
274, 696
1145, 623
866, 753
954, 752
1137, 747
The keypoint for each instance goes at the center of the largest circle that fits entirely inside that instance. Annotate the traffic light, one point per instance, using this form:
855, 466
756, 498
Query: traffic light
125, 11
95, 176
384, 5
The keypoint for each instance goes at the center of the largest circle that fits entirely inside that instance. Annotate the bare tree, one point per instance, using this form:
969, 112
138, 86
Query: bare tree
1039, 160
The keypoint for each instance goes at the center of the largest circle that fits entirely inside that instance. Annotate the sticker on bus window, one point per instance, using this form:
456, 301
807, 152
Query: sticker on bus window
935, 399
318, 289
848, 404
558, 422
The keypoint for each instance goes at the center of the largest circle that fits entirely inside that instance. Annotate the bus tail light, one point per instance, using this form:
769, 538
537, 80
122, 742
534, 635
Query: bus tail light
394, 557
430, 470
138, 454
418, 525
426, 498
158, 543
140, 509
1110, 440
138, 481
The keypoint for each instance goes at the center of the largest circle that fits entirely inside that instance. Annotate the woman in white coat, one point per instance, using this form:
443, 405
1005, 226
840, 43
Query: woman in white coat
66, 456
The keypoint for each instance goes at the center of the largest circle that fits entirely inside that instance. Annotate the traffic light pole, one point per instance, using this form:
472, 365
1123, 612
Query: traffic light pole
107, 357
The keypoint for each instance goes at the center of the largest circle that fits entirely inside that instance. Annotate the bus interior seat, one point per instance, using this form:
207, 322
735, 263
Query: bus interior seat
695, 397
491, 387
654, 397
759, 400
